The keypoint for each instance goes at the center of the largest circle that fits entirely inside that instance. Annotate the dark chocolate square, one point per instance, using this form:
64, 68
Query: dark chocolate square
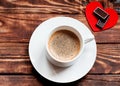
100, 13
101, 23
102, 17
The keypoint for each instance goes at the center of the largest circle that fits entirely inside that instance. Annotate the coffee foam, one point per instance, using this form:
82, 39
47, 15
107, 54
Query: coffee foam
64, 45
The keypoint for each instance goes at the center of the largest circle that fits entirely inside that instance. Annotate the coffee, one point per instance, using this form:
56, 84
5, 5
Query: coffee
64, 45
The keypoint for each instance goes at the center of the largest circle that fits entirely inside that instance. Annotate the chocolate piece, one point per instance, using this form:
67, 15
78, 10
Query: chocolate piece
100, 24
101, 13
102, 16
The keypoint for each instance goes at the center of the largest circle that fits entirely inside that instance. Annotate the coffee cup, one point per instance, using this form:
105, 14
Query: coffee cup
65, 43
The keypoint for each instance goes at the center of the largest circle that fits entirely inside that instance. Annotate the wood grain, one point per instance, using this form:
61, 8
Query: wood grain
18, 20
19, 27
15, 66
100, 80
14, 59
48, 6
29, 80
19, 80
108, 59
41, 6
13, 50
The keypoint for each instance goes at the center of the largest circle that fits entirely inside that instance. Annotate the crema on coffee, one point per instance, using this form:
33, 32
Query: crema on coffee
64, 45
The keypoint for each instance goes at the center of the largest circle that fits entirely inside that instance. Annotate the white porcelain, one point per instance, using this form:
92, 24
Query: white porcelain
76, 31
37, 52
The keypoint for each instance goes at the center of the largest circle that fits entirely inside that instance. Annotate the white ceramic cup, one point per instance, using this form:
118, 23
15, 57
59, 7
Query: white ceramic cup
77, 32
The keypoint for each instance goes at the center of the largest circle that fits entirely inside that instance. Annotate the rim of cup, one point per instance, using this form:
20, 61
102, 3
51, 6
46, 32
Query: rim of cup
73, 30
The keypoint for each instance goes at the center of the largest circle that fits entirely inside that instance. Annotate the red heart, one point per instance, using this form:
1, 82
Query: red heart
92, 20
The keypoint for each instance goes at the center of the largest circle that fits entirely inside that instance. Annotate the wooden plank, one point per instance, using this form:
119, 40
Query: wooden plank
19, 27
108, 59
15, 66
16, 50
37, 80
49, 6
19, 80
100, 80
14, 59
42, 6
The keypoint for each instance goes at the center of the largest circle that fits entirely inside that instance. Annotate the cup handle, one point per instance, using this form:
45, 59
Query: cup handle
89, 40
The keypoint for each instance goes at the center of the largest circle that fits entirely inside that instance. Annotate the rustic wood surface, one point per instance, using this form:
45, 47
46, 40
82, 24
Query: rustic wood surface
33, 80
18, 20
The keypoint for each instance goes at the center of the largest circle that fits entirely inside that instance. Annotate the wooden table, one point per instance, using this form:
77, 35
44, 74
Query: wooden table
18, 20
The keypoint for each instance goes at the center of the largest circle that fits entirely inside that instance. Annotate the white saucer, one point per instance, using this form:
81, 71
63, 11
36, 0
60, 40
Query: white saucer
53, 73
